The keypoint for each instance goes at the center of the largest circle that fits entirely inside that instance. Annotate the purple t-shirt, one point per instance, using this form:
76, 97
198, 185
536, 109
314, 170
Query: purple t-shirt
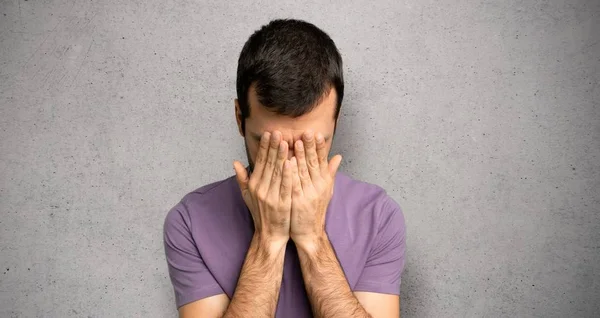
207, 235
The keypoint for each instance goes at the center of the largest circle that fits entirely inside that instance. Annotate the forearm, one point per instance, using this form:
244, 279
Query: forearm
258, 286
326, 286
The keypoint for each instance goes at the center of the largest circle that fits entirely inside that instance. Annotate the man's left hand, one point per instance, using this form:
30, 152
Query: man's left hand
313, 179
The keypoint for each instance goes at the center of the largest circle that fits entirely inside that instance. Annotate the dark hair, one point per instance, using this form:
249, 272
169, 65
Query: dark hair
292, 64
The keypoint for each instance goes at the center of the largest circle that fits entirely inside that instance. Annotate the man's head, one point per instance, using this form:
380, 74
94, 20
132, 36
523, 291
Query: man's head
289, 78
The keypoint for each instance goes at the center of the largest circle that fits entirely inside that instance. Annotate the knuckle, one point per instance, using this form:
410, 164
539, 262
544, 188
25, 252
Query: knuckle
285, 192
303, 171
274, 143
261, 194
269, 201
252, 186
273, 203
276, 172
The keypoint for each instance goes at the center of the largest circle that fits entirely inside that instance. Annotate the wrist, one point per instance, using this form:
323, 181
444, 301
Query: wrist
311, 244
269, 244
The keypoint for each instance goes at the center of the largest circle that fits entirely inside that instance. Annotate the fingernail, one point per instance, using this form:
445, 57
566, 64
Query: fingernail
319, 138
299, 145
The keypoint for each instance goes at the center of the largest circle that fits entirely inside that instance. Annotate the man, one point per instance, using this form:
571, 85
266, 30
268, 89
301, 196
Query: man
288, 236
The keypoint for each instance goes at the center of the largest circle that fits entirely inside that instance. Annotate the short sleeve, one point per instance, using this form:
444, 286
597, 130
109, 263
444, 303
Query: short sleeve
385, 263
190, 278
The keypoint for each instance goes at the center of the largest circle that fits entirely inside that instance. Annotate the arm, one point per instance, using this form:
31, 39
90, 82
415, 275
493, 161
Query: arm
196, 290
326, 286
328, 289
258, 287
312, 187
378, 288
379, 305
257, 290
267, 193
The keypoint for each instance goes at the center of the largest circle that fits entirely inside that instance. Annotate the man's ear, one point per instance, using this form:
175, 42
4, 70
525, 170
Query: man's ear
238, 117
335, 126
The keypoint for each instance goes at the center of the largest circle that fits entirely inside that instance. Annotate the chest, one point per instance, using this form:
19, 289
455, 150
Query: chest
293, 299
224, 256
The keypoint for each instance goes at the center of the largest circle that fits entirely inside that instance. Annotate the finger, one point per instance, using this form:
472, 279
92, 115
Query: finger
296, 184
241, 175
322, 154
271, 159
285, 193
261, 157
312, 161
303, 173
278, 169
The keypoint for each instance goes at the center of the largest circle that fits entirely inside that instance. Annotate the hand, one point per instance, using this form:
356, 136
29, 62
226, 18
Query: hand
313, 180
267, 192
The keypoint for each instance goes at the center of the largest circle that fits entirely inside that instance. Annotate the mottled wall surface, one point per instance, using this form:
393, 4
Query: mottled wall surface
481, 118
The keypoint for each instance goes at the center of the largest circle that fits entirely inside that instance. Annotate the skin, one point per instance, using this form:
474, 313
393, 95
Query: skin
320, 119
287, 192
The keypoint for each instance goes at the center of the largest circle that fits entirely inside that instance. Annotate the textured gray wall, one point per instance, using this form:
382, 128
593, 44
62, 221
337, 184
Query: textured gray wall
481, 118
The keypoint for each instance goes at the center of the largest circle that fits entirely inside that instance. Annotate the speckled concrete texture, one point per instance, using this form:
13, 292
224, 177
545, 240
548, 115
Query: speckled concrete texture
481, 118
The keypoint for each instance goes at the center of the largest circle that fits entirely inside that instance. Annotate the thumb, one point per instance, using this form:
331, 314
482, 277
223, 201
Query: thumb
241, 176
334, 164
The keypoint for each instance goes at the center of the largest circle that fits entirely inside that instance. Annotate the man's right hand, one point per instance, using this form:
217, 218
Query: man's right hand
268, 190
268, 195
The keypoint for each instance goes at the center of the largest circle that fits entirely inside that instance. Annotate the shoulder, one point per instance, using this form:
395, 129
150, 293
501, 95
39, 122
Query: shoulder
202, 202
365, 196
366, 207
367, 230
